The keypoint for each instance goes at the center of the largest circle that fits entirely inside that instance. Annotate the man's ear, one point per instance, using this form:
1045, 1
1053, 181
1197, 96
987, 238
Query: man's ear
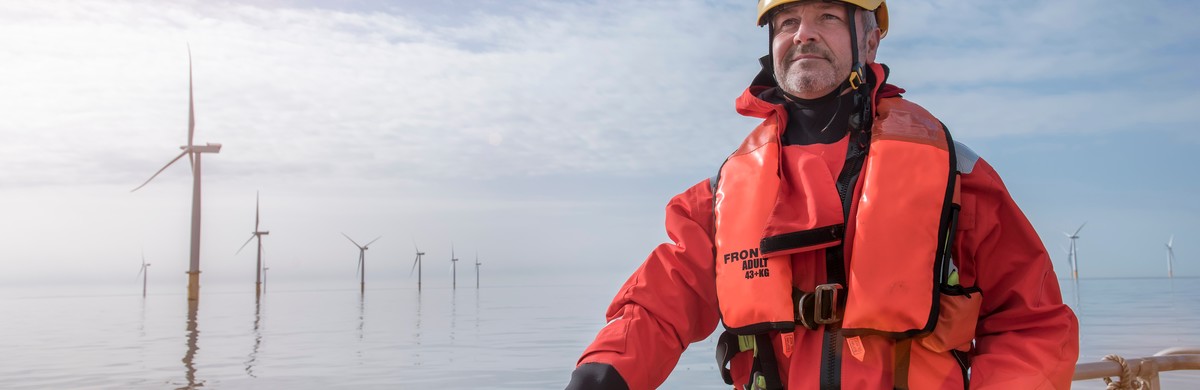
872, 45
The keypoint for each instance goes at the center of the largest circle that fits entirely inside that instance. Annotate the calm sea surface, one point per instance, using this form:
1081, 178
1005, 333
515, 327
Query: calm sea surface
508, 336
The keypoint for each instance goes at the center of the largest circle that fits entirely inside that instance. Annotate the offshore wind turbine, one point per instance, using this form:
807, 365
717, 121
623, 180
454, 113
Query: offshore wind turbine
417, 265
144, 274
258, 268
362, 261
454, 264
193, 152
1074, 254
477, 263
1170, 257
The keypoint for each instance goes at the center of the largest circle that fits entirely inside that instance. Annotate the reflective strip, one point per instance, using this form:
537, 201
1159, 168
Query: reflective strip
966, 157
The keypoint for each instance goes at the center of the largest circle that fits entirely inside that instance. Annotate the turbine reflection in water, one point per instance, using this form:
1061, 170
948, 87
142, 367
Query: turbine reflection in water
417, 332
193, 333
253, 358
362, 300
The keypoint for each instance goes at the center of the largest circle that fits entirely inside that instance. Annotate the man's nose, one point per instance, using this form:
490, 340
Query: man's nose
804, 33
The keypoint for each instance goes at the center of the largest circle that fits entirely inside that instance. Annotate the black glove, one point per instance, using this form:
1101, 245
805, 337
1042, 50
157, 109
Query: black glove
596, 376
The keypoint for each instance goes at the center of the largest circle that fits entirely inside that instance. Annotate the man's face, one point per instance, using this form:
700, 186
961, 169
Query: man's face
811, 48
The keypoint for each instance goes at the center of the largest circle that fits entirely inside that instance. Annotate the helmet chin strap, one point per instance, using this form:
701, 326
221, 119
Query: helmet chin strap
856, 68
857, 82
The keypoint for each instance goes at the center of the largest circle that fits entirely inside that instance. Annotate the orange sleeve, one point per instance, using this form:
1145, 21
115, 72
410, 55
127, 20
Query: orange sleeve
1026, 337
668, 303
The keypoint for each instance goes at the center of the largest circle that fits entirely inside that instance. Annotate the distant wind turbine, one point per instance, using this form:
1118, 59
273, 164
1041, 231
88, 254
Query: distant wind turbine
144, 273
477, 263
1068, 253
454, 264
362, 261
1074, 254
417, 265
1170, 257
258, 268
193, 152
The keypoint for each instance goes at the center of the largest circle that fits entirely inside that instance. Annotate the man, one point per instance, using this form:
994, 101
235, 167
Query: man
847, 243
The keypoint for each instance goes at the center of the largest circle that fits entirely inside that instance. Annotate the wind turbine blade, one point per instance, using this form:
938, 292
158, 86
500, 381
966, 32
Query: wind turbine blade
160, 170
414, 267
256, 211
352, 240
1170, 240
356, 269
191, 112
252, 235
191, 104
143, 268
1080, 228
373, 241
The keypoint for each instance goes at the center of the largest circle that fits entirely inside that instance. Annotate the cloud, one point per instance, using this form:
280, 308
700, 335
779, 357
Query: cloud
580, 87
1066, 67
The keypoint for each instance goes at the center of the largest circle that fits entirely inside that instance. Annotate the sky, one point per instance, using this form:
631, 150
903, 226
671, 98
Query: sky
543, 138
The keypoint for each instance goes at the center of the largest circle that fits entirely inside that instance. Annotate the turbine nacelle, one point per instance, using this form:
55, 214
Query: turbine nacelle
206, 148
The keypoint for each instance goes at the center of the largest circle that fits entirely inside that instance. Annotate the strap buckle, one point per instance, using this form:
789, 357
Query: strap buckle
857, 75
819, 307
856, 79
827, 303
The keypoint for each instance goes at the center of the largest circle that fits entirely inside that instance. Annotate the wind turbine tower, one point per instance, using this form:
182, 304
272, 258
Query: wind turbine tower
362, 262
144, 273
454, 264
1074, 252
258, 268
1171, 257
193, 152
477, 263
417, 266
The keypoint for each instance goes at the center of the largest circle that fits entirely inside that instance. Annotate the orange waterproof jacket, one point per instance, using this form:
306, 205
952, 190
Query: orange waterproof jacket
1025, 338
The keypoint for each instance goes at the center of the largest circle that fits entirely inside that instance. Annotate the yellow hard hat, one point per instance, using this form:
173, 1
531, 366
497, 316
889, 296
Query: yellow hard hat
879, 6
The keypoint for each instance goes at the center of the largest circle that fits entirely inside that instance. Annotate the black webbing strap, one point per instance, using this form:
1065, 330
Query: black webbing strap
765, 370
803, 238
766, 365
764, 373
901, 351
835, 259
727, 348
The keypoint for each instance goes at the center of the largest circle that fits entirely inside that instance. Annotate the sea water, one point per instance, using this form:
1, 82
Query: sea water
504, 335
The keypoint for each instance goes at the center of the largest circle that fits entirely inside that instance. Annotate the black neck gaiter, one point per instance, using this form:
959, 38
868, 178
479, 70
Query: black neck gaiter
824, 120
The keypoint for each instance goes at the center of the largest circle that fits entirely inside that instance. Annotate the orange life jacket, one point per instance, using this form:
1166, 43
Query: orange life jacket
904, 200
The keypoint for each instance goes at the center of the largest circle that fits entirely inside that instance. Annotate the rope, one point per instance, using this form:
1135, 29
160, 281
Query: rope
1127, 381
